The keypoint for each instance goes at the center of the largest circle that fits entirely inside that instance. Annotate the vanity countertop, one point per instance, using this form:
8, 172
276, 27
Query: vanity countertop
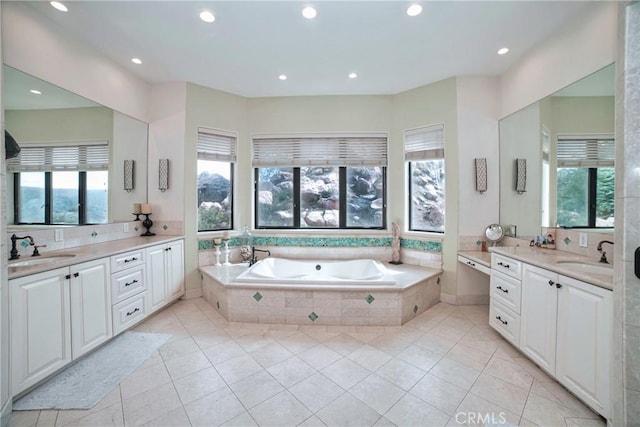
561, 262
85, 253
480, 257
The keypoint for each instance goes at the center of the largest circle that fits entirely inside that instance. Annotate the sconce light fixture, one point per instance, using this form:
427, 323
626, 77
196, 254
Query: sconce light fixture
521, 175
163, 175
128, 175
481, 175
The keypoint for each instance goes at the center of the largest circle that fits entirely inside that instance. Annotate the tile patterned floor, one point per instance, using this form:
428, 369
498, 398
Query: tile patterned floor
445, 367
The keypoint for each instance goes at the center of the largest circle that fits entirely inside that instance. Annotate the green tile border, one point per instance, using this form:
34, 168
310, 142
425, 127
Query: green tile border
422, 245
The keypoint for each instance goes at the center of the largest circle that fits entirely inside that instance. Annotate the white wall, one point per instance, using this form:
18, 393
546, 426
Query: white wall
31, 44
581, 47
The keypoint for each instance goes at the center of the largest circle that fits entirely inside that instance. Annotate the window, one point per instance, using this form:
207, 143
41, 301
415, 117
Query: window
424, 154
586, 181
63, 183
216, 159
320, 181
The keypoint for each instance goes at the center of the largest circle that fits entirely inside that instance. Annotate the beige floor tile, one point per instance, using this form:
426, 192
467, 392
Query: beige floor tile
211, 337
377, 393
243, 420
390, 344
585, 422
253, 341
238, 368
184, 365
469, 356
455, 373
178, 348
291, 371
220, 353
344, 344
509, 371
47, 418
384, 422
214, 409
281, 410
151, 404
436, 343
500, 392
319, 356
530, 367
110, 416
144, 379
65, 417
475, 410
345, 373
256, 388
411, 411
346, 411
24, 418
544, 412
316, 391
298, 342
439, 393
369, 357
199, 384
270, 354
312, 421
400, 373
556, 393
419, 357
175, 418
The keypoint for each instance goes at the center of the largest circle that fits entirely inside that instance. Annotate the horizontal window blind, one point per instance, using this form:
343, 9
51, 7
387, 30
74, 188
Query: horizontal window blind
360, 150
76, 156
581, 152
216, 145
424, 143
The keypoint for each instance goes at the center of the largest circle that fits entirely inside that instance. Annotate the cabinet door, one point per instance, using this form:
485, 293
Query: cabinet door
538, 314
90, 305
40, 327
585, 323
156, 277
175, 270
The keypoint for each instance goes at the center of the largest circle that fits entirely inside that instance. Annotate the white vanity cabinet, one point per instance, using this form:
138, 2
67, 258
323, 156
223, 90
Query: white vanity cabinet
129, 289
56, 316
165, 273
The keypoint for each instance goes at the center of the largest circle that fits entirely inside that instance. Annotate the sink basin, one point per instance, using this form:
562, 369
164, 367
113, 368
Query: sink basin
585, 267
45, 259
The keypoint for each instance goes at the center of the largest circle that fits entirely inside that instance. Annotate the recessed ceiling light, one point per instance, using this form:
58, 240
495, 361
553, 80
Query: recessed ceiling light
309, 12
59, 6
35, 92
503, 51
137, 61
414, 10
353, 75
207, 16
282, 77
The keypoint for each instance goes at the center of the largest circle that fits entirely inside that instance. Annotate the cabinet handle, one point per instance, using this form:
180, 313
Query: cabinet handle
129, 313
130, 260
506, 291
504, 322
167, 249
503, 265
76, 274
131, 283
68, 276
472, 264
558, 285
551, 283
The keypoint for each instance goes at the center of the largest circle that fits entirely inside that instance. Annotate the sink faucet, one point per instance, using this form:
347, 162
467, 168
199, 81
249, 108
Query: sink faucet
254, 259
603, 258
14, 250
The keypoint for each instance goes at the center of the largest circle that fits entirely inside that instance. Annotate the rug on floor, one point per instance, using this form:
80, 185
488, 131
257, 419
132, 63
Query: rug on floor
83, 384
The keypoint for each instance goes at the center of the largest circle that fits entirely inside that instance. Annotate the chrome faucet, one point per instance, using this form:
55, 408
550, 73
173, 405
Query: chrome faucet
14, 250
254, 259
603, 258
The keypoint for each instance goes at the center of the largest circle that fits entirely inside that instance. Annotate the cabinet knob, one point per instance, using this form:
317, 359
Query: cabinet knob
558, 285
68, 276
76, 274
471, 263
551, 283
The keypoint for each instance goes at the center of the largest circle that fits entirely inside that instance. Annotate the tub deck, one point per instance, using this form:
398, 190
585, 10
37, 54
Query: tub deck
414, 290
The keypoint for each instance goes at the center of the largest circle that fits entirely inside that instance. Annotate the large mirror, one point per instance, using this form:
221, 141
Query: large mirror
567, 142
57, 129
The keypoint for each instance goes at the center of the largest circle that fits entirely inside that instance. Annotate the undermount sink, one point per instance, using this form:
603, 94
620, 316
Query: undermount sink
45, 259
585, 267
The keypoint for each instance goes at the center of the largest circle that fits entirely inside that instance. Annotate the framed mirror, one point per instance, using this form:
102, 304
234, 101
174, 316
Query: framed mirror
568, 142
61, 177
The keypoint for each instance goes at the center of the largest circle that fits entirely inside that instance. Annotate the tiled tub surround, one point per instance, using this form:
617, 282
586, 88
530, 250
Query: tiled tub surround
416, 290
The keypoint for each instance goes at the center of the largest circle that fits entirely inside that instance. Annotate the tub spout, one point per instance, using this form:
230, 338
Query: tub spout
254, 259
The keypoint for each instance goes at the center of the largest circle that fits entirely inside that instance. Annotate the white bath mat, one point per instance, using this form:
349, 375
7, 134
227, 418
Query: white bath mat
83, 384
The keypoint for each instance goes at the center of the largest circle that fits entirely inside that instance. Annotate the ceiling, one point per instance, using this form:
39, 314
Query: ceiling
252, 42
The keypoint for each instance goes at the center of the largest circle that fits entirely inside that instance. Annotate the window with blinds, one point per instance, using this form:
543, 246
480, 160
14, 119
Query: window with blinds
586, 151
424, 154
217, 154
76, 156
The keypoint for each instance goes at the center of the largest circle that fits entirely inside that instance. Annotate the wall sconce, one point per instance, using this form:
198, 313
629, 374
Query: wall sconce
521, 175
128, 175
163, 175
481, 175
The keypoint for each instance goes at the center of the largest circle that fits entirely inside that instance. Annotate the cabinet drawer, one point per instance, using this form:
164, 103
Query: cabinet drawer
127, 260
474, 264
505, 322
127, 283
129, 312
506, 265
506, 291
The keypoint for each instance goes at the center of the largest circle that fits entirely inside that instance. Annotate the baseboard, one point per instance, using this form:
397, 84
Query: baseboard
193, 293
5, 416
448, 298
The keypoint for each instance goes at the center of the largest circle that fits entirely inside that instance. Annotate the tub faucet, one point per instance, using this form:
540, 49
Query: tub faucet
254, 259
603, 258
14, 250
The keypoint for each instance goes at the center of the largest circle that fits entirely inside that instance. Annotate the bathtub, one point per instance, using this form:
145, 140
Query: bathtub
288, 271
